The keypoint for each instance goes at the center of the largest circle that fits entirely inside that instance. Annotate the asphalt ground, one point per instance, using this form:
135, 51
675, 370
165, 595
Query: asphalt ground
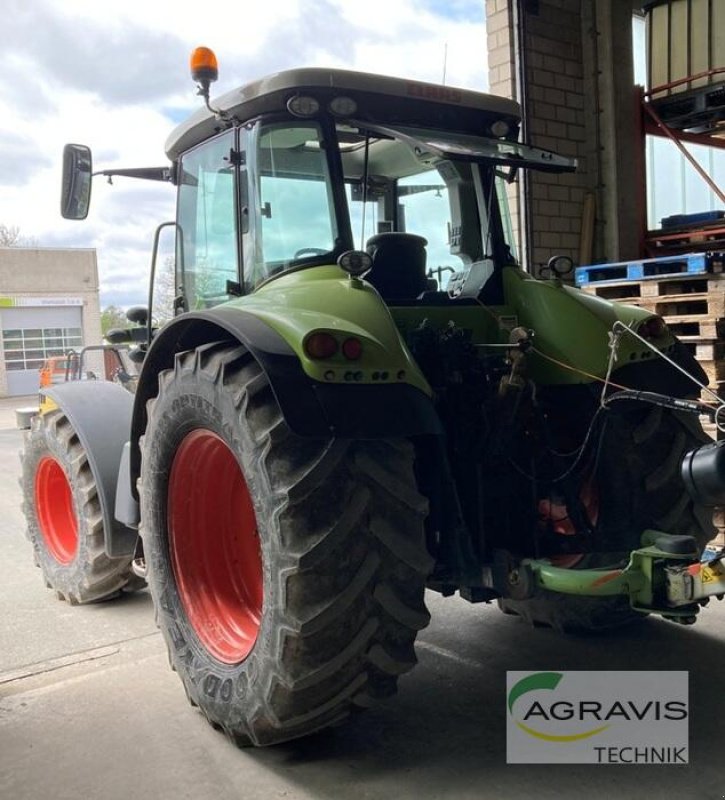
90, 709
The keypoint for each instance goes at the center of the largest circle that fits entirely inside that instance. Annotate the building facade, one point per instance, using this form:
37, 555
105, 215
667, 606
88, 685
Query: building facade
49, 304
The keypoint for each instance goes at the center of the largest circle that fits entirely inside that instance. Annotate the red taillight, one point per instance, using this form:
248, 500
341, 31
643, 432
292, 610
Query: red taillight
352, 349
652, 328
320, 345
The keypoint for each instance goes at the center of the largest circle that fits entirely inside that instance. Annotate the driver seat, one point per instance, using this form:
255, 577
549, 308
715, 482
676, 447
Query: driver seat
398, 268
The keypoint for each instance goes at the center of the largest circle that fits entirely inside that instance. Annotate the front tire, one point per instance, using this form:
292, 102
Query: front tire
287, 573
65, 523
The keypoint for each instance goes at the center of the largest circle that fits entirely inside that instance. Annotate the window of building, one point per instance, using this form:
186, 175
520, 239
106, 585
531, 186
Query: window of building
28, 348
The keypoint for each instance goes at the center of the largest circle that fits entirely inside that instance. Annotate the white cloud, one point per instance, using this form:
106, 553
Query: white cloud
108, 74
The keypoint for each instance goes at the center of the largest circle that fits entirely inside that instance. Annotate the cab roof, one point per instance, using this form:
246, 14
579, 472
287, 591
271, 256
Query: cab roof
379, 98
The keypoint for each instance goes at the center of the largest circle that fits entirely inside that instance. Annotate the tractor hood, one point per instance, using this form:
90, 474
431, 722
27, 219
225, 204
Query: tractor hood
571, 329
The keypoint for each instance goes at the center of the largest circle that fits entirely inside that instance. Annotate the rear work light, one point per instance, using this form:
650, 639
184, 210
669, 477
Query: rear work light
320, 345
652, 328
343, 106
302, 105
500, 128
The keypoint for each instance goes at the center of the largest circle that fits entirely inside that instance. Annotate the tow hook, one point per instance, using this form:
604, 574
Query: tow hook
665, 576
695, 583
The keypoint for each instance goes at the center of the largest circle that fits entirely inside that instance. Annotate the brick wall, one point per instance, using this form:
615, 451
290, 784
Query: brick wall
577, 62
555, 100
502, 80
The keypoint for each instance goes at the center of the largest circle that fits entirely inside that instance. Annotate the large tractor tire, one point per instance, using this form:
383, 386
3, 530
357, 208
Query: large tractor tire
287, 573
639, 487
65, 524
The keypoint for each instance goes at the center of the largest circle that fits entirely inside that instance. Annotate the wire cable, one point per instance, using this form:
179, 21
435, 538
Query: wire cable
579, 453
619, 328
571, 368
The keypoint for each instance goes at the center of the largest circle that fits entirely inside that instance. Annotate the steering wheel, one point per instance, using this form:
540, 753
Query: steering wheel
310, 251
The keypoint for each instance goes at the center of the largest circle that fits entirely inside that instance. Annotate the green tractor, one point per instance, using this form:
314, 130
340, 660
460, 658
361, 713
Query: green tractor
362, 395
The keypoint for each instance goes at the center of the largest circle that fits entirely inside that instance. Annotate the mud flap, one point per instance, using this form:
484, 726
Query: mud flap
100, 414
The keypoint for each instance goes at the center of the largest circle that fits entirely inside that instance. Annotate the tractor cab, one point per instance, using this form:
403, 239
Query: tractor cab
309, 164
294, 170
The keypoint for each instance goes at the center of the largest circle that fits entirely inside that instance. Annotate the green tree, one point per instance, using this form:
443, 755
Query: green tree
113, 317
164, 291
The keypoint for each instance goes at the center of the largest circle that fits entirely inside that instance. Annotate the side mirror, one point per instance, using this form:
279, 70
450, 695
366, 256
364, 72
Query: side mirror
75, 198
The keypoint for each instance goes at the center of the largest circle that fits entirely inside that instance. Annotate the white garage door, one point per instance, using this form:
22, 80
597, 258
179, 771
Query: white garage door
30, 335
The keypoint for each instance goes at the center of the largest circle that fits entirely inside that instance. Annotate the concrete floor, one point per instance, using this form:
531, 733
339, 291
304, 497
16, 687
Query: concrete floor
89, 708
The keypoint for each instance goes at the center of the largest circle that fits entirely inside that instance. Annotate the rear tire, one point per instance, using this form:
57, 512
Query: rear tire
327, 535
640, 487
65, 524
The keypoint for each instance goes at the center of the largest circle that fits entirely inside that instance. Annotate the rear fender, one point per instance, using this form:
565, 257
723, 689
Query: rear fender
310, 408
100, 414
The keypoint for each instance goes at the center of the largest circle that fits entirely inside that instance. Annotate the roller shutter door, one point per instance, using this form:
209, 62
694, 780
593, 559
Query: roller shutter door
30, 335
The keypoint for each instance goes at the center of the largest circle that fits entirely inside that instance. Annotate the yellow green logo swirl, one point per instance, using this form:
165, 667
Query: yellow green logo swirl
549, 681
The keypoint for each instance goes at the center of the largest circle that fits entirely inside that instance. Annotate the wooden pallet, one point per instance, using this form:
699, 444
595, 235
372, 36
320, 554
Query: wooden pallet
715, 371
704, 350
685, 305
711, 305
710, 429
693, 306
658, 289
695, 328
684, 285
711, 237
717, 387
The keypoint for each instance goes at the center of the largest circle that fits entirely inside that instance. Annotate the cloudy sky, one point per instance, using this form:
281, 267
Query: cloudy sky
114, 75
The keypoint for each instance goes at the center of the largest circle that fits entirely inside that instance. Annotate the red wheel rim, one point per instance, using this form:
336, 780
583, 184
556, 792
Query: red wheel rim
214, 546
55, 510
557, 515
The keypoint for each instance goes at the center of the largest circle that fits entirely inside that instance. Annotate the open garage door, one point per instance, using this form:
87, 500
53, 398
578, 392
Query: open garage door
30, 335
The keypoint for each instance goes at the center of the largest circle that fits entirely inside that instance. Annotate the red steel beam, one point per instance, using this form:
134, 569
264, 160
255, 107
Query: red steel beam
708, 140
671, 85
666, 131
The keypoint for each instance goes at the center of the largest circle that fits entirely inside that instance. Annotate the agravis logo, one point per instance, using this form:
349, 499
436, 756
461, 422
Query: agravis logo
544, 680
597, 717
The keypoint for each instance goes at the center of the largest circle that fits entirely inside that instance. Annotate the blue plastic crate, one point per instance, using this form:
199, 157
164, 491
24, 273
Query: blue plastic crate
691, 263
688, 220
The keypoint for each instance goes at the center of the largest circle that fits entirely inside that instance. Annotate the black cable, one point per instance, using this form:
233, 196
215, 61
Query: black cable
663, 400
577, 460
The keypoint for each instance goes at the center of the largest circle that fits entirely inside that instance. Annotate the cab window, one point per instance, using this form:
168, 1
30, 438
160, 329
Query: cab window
292, 214
425, 207
207, 245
